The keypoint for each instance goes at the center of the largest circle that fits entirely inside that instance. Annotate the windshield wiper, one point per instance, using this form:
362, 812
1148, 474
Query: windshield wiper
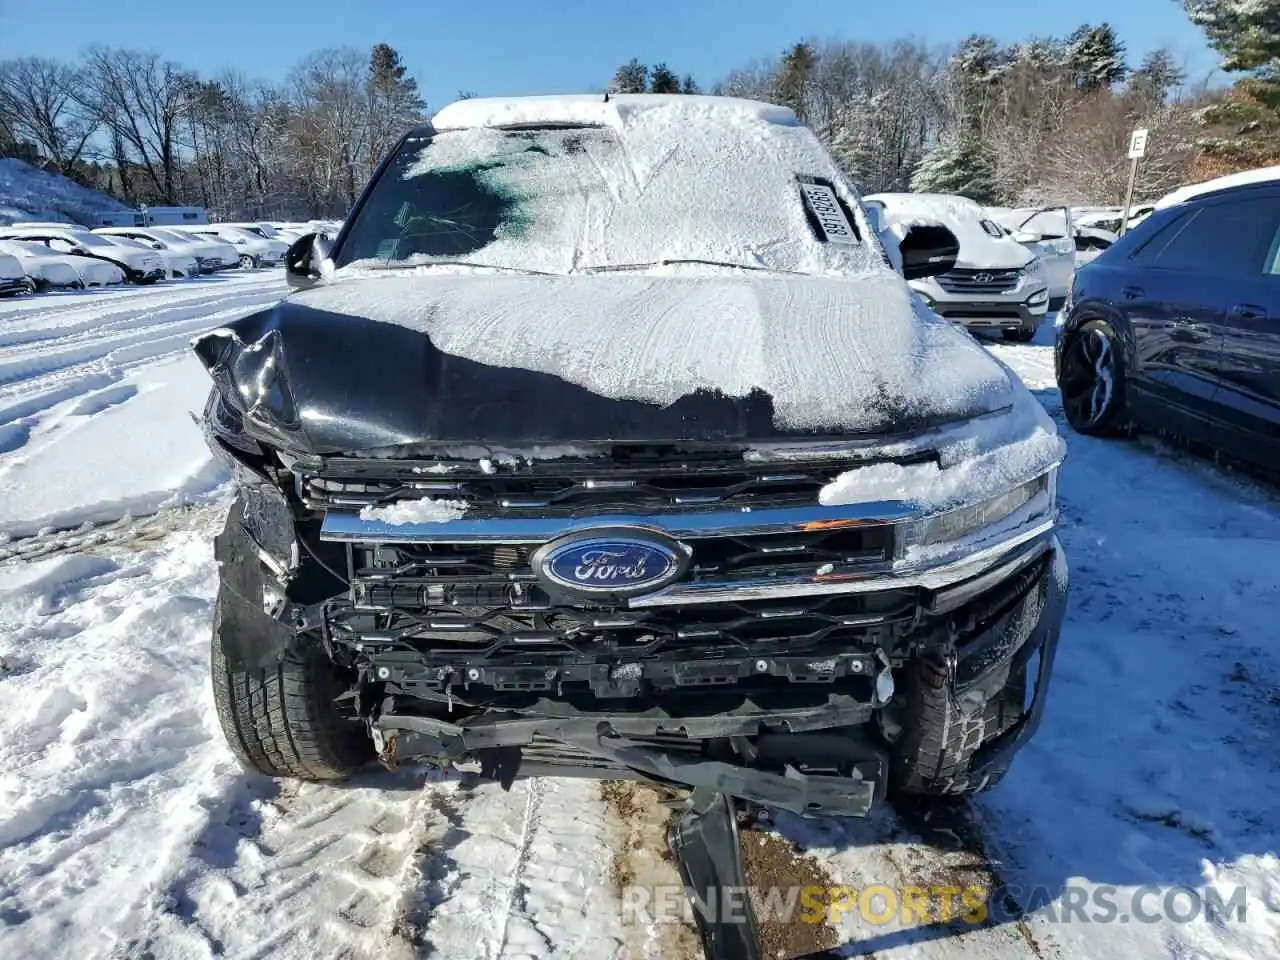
392, 265
611, 267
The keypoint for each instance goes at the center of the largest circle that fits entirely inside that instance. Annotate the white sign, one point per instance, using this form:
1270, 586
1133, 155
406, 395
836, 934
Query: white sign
1138, 144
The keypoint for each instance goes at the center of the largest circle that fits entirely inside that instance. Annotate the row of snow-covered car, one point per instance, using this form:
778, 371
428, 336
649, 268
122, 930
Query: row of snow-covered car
42, 256
1012, 263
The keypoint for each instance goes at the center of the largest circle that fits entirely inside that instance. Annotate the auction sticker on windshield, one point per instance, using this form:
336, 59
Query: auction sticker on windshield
822, 202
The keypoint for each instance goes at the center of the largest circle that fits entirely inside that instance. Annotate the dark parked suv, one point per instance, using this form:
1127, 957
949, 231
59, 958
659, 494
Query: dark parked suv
608, 438
1177, 327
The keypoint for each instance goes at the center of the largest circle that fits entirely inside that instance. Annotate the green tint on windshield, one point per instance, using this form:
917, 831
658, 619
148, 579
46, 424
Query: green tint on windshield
455, 193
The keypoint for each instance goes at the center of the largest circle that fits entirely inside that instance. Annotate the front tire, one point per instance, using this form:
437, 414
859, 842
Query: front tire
282, 720
1091, 380
248, 262
941, 732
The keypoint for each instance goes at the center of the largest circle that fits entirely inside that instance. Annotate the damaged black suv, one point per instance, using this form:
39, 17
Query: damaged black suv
607, 439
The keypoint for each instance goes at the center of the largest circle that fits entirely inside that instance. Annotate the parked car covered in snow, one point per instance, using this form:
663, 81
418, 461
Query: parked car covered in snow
252, 249
211, 255
45, 268
1048, 234
138, 265
177, 265
996, 284
605, 439
13, 277
1177, 326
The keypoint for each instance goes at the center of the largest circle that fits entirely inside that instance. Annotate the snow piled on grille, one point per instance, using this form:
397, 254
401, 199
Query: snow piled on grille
404, 512
840, 355
983, 459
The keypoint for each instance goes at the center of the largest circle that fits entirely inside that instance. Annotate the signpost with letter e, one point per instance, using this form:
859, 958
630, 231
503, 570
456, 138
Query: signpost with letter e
1137, 150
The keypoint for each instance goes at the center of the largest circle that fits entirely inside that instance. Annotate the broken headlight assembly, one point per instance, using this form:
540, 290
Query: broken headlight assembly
1022, 510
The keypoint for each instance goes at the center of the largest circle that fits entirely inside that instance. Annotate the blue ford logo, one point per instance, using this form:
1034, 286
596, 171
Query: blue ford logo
610, 563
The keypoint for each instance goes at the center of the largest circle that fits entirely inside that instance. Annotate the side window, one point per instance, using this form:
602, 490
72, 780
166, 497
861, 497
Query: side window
1230, 239
62, 246
1151, 248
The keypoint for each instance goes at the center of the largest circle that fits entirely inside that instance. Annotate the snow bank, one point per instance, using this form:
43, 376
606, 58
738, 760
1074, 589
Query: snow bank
30, 194
426, 510
851, 355
961, 216
128, 448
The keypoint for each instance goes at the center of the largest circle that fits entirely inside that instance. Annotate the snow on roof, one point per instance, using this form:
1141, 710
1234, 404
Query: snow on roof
594, 110
1183, 194
960, 215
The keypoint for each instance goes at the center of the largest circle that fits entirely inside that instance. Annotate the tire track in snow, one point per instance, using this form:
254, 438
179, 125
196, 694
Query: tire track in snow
524, 873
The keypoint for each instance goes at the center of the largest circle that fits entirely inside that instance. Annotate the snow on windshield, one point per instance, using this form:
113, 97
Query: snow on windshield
678, 182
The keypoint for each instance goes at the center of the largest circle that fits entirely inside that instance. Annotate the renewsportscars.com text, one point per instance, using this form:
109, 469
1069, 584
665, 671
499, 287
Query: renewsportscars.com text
880, 904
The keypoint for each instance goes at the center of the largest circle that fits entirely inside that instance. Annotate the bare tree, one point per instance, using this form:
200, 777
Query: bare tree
38, 103
142, 98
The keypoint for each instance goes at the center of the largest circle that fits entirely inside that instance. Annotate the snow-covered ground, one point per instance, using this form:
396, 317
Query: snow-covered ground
127, 830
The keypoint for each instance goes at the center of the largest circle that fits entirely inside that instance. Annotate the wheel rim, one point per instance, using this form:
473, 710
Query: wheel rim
246, 261
1089, 376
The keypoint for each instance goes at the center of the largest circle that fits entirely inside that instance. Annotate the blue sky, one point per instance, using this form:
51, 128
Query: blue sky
498, 47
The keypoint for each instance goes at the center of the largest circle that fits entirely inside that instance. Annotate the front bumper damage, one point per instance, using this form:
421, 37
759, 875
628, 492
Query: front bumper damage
762, 674
807, 758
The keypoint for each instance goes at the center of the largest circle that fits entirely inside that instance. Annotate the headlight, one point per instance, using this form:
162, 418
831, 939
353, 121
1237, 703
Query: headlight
1039, 297
1034, 498
1034, 270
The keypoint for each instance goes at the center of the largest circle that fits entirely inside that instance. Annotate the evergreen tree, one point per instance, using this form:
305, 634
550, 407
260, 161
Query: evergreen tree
959, 165
795, 79
1096, 57
1157, 77
663, 80
854, 144
1244, 130
689, 85
631, 77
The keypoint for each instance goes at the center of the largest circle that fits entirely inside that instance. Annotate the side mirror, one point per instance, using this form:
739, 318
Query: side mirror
928, 251
157, 245
1027, 236
299, 268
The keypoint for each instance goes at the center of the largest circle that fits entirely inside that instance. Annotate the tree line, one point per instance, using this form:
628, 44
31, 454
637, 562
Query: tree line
147, 130
1043, 120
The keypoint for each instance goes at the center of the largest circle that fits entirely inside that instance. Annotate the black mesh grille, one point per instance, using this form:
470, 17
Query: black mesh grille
646, 480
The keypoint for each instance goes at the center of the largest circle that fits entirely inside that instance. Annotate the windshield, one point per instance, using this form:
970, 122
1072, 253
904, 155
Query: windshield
92, 240
170, 236
574, 198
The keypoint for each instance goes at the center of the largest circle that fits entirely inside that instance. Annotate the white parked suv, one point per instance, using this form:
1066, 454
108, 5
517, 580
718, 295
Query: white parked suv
997, 284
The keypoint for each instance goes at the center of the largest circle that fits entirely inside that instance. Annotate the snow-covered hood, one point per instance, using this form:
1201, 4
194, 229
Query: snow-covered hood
411, 358
979, 250
10, 268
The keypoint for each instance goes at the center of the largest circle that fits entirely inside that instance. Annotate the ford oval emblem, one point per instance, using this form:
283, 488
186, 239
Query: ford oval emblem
616, 562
